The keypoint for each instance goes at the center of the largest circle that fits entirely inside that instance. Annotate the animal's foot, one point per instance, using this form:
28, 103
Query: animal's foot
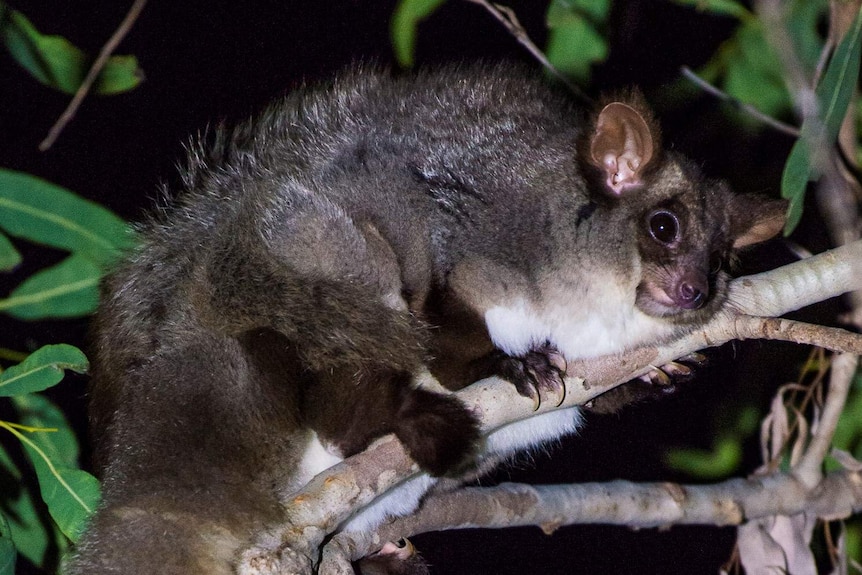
667, 377
394, 558
439, 432
536, 374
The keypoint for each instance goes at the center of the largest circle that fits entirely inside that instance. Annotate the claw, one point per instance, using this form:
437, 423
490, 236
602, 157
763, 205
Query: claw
403, 549
535, 388
656, 377
550, 382
537, 373
528, 389
695, 358
675, 369
557, 361
537, 400
562, 393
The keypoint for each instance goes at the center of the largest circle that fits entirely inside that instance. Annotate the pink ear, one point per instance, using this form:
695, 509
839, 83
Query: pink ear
621, 146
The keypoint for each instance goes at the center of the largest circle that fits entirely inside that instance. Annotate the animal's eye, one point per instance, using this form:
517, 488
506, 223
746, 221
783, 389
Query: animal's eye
663, 226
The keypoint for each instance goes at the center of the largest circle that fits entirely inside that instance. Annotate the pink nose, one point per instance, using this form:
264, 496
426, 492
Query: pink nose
691, 291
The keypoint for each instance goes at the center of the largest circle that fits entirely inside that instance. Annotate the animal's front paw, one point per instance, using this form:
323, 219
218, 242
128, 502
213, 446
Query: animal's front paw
666, 378
438, 431
537, 373
655, 384
399, 558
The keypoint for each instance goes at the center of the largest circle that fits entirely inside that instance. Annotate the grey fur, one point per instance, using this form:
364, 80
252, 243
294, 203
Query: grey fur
322, 254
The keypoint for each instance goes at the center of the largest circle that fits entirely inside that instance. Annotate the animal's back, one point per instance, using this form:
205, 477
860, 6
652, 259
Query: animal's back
305, 241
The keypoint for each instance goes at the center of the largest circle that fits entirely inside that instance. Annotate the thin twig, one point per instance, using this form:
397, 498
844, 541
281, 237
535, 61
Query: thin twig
771, 328
738, 104
92, 74
810, 469
507, 17
823, 60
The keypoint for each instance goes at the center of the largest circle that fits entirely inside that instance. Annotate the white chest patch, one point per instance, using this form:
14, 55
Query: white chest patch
314, 459
580, 324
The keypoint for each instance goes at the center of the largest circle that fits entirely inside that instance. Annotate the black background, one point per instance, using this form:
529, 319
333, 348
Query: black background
207, 61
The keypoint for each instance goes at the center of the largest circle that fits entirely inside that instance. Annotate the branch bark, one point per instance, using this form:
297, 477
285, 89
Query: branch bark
638, 505
335, 494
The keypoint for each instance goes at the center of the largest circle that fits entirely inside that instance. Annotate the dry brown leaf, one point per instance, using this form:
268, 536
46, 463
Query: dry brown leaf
777, 545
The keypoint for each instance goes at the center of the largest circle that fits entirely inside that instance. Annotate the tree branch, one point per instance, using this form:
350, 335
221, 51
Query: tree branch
336, 493
809, 470
637, 505
778, 125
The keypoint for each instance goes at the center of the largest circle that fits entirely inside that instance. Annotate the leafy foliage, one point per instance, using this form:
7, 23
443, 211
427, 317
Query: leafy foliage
7, 548
69, 493
725, 456
405, 22
746, 66
9, 256
575, 39
35, 210
38, 518
41, 212
41, 370
833, 94
56, 62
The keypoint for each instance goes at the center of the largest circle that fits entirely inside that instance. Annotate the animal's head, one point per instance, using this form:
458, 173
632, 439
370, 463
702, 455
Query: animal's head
686, 226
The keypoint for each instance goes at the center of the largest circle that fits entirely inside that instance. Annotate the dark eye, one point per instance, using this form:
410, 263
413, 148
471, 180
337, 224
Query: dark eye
663, 226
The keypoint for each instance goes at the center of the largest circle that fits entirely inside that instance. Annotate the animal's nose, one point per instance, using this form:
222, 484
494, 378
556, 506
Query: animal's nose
692, 291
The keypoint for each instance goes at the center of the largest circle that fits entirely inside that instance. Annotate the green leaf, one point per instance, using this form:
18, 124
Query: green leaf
41, 212
803, 19
8, 555
5, 530
405, 21
853, 539
752, 70
848, 433
833, 95
721, 461
9, 256
719, 7
839, 81
55, 62
71, 495
35, 410
794, 181
574, 44
42, 369
560, 10
31, 534
68, 289
120, 74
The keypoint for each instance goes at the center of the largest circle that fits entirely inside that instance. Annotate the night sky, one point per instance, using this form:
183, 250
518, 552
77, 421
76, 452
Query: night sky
211, 61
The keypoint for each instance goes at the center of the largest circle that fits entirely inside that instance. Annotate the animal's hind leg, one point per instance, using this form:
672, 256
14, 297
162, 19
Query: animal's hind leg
333, 288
